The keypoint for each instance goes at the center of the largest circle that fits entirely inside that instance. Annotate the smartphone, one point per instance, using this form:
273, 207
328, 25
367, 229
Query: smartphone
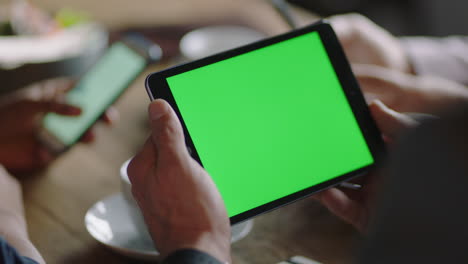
97, 89
273, 121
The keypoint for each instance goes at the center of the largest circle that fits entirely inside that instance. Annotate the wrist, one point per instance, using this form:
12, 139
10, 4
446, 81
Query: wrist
217, 246
190, 256
13, 224
13, 229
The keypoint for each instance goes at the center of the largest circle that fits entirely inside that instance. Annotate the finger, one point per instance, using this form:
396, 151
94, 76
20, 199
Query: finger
371, 73
88, 136
376, 85
52, 106
375, 88
66, 85
342, 206
383, 79
382, 75
353, 27
62, 108
390, 122
59, 86
142, 163
167, 133
344, 26
111, 116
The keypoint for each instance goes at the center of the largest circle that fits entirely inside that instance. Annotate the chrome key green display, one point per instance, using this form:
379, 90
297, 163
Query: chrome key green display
270, 122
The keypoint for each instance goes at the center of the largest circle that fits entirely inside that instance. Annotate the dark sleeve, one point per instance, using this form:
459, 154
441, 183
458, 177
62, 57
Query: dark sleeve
422, 216
190, 256
9, 255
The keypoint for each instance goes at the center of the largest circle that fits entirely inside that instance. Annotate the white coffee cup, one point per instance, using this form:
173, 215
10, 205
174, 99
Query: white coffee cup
238, 231
132, 206
209, 40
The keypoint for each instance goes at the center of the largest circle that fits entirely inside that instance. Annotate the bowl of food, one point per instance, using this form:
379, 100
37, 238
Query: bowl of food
36, 45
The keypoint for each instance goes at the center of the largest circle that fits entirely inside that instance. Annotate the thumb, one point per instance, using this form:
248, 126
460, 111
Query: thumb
166, 131
390, 122
53, 107
343, 206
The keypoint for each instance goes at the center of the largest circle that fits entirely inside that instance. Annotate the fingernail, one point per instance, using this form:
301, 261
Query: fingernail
379, 103
157, 109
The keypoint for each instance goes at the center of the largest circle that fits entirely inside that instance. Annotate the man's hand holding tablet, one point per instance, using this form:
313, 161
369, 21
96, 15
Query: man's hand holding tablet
272, 122
182, 206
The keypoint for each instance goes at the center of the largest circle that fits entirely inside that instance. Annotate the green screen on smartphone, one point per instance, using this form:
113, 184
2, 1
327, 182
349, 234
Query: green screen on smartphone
96, 91
270, 122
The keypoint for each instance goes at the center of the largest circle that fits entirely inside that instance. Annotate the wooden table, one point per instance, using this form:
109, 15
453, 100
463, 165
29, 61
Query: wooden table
58, 198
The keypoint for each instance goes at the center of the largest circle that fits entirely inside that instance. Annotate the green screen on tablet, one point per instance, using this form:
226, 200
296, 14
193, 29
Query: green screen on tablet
270, 122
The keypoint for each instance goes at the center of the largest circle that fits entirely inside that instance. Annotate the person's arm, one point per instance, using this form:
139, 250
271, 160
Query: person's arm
442, 57
12, 222
421, 216
9, 255
364, 42
20, 114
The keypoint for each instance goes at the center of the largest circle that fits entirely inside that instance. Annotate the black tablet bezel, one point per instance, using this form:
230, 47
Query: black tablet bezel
157, 87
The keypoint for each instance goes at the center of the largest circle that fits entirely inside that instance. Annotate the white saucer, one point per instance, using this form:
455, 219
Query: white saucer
108, 223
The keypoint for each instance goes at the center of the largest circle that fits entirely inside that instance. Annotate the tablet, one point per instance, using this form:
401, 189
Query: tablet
273, 121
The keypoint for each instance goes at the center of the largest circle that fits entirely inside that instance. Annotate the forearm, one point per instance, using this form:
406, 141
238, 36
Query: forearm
13, 227
13, 230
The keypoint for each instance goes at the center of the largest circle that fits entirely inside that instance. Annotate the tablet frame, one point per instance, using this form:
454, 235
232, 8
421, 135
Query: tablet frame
157, 87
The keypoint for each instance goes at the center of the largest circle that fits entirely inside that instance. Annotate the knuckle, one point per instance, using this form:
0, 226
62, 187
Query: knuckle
170, 129
356, 17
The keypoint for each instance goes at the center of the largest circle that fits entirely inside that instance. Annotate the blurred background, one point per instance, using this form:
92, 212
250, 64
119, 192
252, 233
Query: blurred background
165, 22
429, 17
402, 17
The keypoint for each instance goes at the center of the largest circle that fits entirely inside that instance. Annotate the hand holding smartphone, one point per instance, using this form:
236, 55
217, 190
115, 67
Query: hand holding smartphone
98, 89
